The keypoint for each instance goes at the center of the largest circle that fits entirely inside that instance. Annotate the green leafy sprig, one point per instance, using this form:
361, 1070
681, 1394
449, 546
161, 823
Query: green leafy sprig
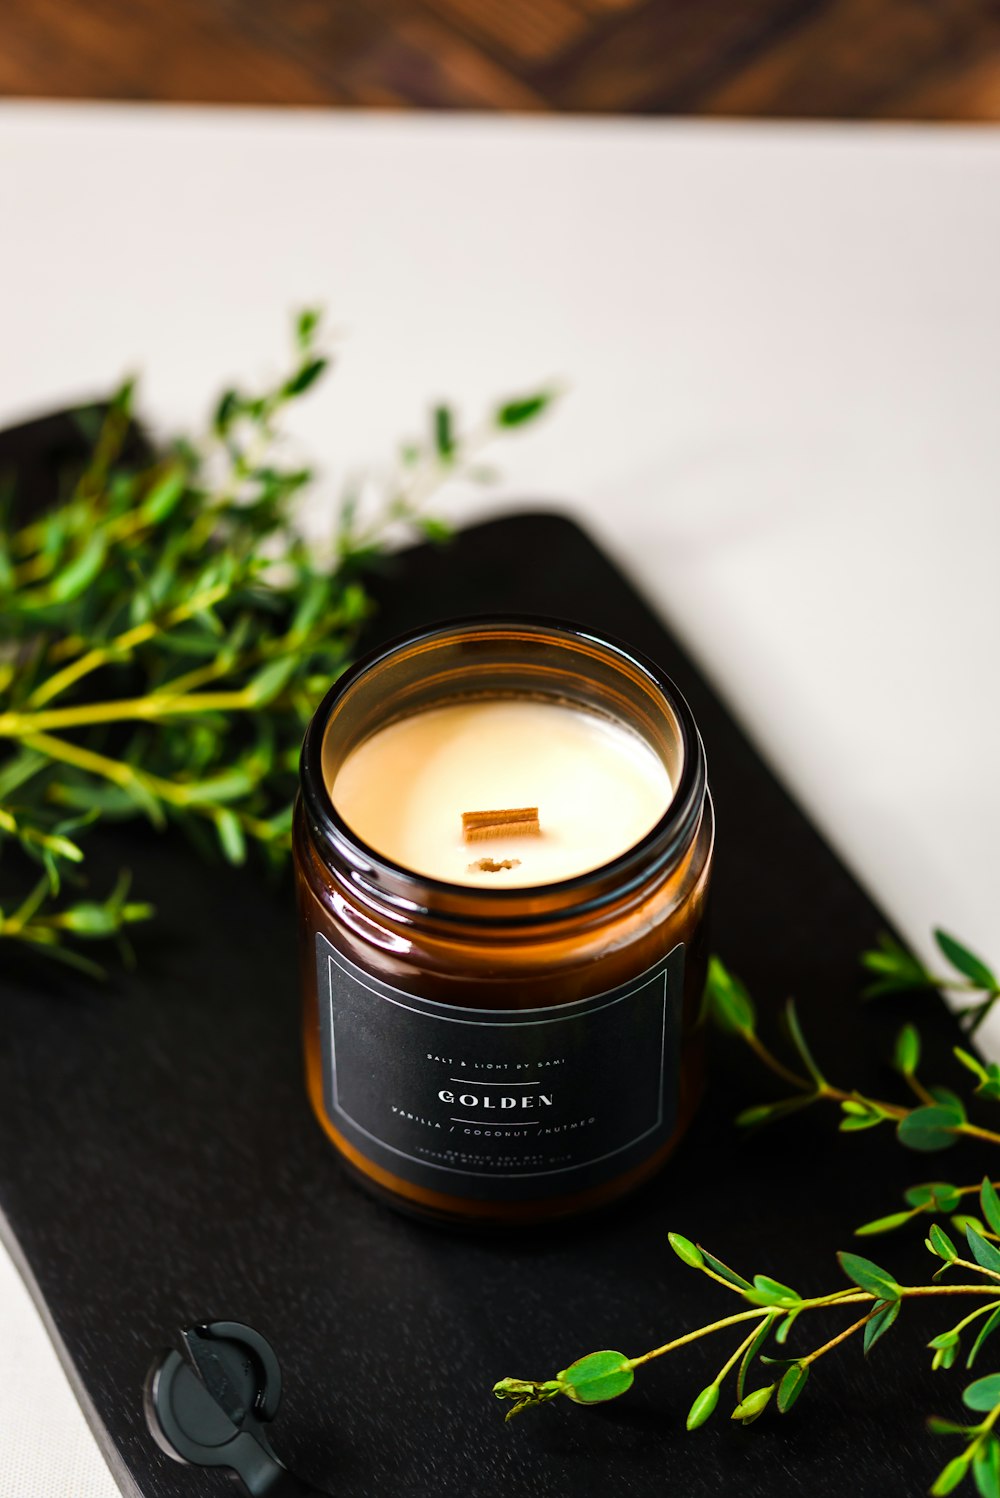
760, 1370
937, 1121
874, 1298
168, 632
898, 971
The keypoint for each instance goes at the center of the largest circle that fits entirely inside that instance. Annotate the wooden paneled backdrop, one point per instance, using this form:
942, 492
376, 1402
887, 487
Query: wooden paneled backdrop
884, 59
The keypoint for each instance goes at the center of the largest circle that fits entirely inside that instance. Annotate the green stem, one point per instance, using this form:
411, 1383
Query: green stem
977, 1268
908, 1291
973, 1131
827, 1091
125, 709
842, 1337
972, 1316
721, 1280
731, 1362
838, 1095
115, 770
703, 1331
183, 797
121, 646
772, 1062
920, 1091
991, 1419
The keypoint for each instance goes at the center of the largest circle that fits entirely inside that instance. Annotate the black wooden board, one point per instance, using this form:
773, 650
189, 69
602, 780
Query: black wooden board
159, 1165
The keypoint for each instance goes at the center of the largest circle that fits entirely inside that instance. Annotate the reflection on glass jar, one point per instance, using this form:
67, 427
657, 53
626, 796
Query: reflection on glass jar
503, 845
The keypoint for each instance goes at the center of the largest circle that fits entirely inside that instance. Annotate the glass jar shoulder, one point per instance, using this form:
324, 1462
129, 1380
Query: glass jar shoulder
527, 965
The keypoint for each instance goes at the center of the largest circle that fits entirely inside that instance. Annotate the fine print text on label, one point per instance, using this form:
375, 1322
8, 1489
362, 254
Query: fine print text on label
500, 1104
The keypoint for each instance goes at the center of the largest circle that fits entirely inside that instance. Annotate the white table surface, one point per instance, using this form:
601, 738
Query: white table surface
782, 347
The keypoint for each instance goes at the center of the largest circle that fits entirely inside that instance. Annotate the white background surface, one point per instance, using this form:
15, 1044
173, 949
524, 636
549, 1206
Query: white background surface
782, 347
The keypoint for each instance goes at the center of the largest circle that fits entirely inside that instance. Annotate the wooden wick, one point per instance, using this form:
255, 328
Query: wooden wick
518, 821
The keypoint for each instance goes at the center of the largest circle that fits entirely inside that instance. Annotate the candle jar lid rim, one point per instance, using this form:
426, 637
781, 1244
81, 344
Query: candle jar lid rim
414, 893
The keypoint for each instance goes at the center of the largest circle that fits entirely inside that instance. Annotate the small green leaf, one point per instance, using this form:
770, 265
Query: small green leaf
703, 1406
939, 1427
90, 920
983, 1394
769, 1112
987, 1329
729, 1003
433, 529
928, 1129
77, 575
966, 962
306, 375
306, 324
792, 1383
855, 1123
971, 1063
880, 1323
895, 963
444, 433
883, 1224
982, 1251
990, 1203
945, 1357
939, 1243
754, 1348
136, 910
227, 787
934, 1196
784, 1327
164, 495
231, 838
688, 1252
948, 1099
515, 413
729, 1275
986, 1467
906, 1057
774, 1293
950, 1476
226, 411
753, 1406
596, 1377
73, 959
883, 986
795, 1029
61, 847
271, 680
871, 1277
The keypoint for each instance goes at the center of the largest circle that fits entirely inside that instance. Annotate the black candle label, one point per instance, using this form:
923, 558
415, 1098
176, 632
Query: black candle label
503, 1105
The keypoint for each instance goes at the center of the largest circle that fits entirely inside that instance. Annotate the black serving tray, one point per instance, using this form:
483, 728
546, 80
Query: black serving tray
159, 1164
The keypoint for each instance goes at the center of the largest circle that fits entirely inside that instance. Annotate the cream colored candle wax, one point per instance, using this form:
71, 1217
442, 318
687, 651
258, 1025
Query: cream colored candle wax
597, 786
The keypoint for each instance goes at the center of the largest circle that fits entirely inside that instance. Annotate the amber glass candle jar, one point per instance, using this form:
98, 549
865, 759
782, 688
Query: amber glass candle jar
491, 1053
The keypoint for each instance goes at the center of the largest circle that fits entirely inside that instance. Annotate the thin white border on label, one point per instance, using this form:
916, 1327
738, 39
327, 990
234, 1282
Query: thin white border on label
560, 1017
